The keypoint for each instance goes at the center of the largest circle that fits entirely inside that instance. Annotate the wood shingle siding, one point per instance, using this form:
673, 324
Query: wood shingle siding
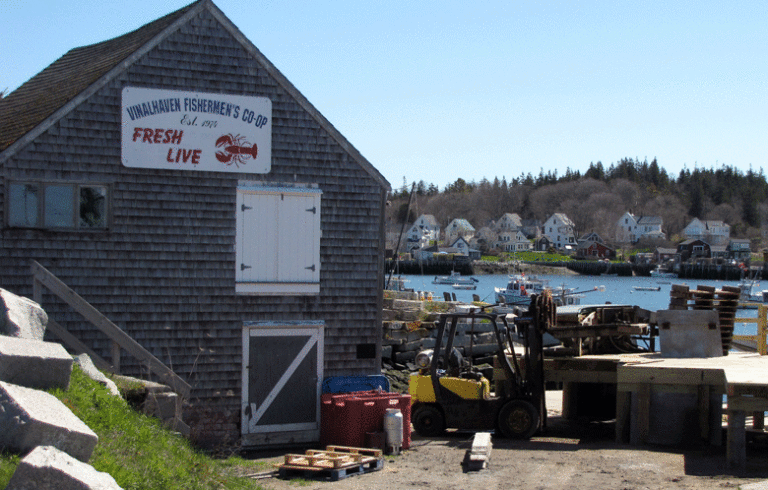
164, 270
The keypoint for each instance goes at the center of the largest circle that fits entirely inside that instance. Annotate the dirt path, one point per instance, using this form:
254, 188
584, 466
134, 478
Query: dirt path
567, 456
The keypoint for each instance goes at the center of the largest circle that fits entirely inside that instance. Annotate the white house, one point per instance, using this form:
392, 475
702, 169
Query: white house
559, 230
513, 241
630, 228
509, 221
714, 232
459, 228
424, 230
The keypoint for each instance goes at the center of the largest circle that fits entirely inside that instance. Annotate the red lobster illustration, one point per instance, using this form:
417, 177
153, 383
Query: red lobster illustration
235, 150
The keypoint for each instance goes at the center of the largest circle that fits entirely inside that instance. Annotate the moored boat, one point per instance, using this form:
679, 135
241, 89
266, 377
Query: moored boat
470, 287
454, 278
519, 289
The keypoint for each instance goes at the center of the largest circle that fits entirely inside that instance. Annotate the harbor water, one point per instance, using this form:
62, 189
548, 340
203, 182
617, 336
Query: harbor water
596, 290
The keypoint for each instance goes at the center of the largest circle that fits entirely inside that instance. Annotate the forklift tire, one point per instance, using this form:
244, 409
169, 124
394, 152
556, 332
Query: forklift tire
429, 421
518, 419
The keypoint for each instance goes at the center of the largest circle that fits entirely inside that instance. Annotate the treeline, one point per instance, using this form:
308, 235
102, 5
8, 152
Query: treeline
596, 199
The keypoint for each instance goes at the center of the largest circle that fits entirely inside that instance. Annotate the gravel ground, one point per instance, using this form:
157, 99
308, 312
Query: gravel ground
578, 456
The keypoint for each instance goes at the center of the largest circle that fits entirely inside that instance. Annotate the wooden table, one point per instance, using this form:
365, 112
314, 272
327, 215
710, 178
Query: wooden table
742, 377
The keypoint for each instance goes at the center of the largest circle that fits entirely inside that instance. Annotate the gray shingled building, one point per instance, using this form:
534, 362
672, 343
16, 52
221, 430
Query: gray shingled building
179, 183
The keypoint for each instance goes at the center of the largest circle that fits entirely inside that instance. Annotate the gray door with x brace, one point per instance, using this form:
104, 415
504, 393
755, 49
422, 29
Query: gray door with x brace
282, 379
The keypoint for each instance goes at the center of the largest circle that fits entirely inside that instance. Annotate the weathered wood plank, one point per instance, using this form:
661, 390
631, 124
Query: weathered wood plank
44, 277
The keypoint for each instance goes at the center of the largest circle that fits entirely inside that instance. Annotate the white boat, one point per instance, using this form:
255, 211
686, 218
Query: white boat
454, 278
563, 296
470, 287
658, 273
750, 292
519, 290
647, 288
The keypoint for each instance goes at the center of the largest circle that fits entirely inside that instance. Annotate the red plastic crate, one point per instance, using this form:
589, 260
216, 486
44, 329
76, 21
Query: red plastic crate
345, 418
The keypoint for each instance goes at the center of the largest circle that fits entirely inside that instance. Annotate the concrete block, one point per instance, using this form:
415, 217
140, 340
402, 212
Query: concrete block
404, 304
21, 317
689, 333
388, 315
47, 467
34, 363
90, 370
162, 405
478, 455
31, 418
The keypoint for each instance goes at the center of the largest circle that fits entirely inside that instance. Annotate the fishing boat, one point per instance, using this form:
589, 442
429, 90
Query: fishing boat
469, 287
750, 294
454, 278
519, 289
564, 296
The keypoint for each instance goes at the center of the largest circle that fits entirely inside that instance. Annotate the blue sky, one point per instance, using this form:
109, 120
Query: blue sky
440, 90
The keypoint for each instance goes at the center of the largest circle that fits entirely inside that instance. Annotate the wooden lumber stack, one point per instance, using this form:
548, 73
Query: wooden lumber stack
724, 301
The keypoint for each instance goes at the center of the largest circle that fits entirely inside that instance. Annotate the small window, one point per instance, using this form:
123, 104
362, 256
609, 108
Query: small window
57, 206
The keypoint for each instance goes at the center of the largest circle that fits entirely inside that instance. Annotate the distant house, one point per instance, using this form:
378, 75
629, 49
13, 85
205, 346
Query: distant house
661, 255
531, 228
508, 221
718, 252
630, 228
424, 231
458, 228
739, 249
714, 232
425, 253
559, 230
513, 241
484, 239
591, 249
693, 249
592, 237
542, 244
463, 247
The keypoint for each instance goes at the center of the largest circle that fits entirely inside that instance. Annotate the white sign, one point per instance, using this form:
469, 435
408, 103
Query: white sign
170, 129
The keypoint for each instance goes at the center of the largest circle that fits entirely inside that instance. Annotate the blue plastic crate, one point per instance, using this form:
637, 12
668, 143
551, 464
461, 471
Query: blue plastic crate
349, 384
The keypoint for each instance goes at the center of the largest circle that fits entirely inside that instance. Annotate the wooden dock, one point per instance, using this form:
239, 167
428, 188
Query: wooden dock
642, 378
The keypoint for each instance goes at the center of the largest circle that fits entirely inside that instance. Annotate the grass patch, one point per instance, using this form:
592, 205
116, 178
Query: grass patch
137, 450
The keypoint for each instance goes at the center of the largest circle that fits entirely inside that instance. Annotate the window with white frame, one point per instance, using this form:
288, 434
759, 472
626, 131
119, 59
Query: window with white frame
57, 205
278, 240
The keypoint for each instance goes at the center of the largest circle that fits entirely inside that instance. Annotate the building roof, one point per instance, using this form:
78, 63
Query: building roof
48, 96
428, 219
461, 223
563, 218
662, 250
513, 218
650, 220
51, 89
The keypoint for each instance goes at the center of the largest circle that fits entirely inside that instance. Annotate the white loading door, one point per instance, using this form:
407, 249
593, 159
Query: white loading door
282, 381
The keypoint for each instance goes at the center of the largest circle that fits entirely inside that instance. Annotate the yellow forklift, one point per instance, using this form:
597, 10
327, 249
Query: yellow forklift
450, 393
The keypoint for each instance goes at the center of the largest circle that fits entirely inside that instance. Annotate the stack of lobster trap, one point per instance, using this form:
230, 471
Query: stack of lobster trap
725, 301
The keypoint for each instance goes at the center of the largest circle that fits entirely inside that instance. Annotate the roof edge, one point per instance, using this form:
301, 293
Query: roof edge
113, 72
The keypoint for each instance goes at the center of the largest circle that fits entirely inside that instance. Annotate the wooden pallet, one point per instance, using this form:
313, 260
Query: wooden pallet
725, 301
333, 463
